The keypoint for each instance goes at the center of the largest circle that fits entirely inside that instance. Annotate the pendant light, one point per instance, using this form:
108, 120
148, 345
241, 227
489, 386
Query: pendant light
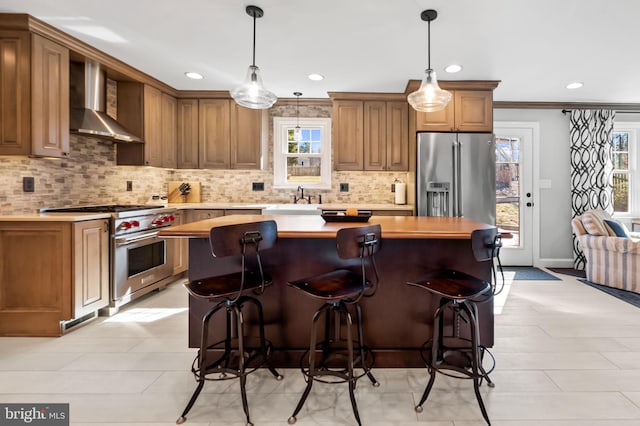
251, 93
429, 97
297, 133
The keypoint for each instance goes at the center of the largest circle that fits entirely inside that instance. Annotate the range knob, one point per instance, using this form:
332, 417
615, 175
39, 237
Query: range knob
135, 223
126, 225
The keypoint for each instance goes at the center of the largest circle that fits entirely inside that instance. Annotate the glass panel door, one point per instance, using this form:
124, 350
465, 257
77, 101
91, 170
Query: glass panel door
514, 191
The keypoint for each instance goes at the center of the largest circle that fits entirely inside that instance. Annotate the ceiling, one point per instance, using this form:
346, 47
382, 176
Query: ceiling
534, 47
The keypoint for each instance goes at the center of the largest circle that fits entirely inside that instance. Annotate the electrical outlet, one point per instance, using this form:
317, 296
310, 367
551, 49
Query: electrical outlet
28, 184
344, 187
393, 187
129, 185
257, 186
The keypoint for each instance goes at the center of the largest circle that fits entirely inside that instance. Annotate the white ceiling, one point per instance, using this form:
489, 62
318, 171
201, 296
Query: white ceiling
534, 47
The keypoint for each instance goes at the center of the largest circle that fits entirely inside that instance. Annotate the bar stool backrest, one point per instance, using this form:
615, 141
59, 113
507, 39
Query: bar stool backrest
361, 241
243, 238
485, 244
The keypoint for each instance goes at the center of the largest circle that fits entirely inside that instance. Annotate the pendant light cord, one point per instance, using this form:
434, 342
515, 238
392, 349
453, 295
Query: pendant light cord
254, 40
428, 44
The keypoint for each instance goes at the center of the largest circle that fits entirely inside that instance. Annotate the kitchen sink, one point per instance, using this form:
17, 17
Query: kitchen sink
292, 209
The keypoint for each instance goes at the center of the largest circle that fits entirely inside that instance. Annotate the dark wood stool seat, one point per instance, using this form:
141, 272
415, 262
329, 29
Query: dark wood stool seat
237, 355
338, 284
334, 358
226, 286
459, 353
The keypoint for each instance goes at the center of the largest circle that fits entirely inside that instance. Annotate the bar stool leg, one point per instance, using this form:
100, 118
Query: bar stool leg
326, 308
436, 344
475, 357
202, 359
361, 346
263, 340
241, 361
352, 382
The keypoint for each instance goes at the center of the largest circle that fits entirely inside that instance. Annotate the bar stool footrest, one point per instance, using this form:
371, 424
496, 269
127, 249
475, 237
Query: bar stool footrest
227, 362
331, 365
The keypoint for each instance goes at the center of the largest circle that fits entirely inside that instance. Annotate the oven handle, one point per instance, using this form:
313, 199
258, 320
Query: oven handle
122, 241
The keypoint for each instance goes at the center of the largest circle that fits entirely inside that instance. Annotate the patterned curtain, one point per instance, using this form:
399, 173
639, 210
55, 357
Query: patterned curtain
590, 132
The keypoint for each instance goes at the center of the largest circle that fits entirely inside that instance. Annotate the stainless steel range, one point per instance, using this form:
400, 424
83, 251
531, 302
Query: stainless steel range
140, 261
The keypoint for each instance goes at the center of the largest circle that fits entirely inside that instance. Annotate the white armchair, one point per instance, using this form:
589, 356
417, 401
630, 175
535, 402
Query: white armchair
612, 261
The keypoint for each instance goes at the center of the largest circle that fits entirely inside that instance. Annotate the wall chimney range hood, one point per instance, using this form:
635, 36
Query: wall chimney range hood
88, 86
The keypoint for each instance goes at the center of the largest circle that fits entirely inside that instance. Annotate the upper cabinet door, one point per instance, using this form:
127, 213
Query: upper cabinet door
246, 137
348, 137
169, 129
474, 110
397, 136
49, 98
437, 121
187, 134
152, 126
375, 135
214, 133
15, 86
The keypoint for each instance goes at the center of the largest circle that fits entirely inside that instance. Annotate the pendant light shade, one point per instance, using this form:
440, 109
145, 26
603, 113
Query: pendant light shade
429, 97
297, 132
251, 93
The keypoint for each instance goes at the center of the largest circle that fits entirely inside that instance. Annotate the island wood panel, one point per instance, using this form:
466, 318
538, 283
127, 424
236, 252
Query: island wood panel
396, 320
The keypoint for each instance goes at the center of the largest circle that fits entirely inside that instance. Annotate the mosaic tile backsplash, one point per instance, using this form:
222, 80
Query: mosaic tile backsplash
90, 176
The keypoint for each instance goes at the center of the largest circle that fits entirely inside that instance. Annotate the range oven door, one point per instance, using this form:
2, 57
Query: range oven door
139, 261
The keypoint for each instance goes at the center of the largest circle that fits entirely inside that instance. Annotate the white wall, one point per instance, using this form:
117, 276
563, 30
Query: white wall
554, 204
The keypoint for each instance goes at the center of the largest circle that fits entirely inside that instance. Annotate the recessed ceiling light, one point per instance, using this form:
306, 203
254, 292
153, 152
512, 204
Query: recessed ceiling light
574, 85
194, 75
316, 77
453, 68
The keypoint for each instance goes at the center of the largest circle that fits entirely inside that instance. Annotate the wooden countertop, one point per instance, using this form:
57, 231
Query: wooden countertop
261, 205
311, 226
54, 217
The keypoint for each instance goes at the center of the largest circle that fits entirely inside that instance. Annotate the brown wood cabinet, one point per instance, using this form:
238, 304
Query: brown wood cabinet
180, 247
168, 131
67, 280
195, 215
34, 106
187, 138
348, 136
468, 111
91, 266
217, 133
370, 135
151, 114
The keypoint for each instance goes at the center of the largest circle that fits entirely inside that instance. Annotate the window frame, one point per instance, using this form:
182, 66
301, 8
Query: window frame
633, 129
281, 125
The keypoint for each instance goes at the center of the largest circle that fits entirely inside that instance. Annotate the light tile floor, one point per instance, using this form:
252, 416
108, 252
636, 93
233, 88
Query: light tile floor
567, 355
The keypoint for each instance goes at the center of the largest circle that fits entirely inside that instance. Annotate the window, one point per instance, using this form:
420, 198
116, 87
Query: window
625, 177
304, 162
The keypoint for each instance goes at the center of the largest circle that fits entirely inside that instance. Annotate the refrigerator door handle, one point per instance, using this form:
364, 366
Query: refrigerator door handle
457, 176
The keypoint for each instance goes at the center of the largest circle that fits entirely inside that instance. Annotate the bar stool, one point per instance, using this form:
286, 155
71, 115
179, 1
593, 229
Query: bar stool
452, 354
243, 243
339, 289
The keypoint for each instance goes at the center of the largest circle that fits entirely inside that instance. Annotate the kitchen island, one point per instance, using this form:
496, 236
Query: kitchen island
396, 321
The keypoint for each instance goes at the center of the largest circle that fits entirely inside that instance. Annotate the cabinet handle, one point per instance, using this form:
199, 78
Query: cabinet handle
106, 226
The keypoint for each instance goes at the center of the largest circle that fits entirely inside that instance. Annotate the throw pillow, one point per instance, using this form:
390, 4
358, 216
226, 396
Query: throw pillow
593, 224
617, 228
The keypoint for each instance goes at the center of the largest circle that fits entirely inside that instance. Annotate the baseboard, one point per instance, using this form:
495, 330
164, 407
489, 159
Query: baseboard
555, 263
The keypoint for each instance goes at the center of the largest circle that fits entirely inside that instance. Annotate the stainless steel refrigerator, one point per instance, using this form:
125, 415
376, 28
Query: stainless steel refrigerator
456, 175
